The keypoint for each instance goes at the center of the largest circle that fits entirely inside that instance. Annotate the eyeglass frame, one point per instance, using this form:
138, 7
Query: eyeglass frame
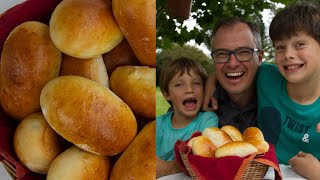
234, 53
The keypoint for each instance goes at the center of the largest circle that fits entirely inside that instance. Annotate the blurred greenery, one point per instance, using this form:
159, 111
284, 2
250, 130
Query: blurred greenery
161, 105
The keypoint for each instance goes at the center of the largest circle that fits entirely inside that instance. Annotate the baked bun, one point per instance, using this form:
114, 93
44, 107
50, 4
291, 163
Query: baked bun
36, 144
28, 61
84, 28
75, 164
121, 55
136, 86
233, 132
92, 68
236, 148
137, 21
252, 133
202, 146
217, 136
138, 161
262, 146
88, 115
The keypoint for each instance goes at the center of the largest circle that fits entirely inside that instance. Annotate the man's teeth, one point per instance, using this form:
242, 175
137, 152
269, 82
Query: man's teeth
234, 74
293, 67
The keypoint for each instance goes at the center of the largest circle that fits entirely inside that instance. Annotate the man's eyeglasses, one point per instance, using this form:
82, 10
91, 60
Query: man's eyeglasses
241, 54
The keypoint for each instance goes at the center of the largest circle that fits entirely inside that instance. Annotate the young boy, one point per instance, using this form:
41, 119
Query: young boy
182, 85
288, 95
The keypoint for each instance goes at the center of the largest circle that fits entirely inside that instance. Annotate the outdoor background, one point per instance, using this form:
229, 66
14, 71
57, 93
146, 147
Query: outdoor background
190, 37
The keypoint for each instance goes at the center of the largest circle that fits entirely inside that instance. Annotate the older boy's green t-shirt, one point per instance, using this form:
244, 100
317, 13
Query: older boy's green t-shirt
289, 126
167, 136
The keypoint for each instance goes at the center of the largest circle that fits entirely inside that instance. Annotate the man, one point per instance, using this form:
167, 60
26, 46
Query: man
237, 53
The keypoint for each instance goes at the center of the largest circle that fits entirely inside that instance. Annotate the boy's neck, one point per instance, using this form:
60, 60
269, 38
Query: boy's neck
304, 94
178, 121
244, 99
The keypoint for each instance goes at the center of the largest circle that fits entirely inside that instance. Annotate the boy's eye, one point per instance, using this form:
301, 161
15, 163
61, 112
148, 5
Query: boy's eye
279, 48
300, 45
178, 85
197, 82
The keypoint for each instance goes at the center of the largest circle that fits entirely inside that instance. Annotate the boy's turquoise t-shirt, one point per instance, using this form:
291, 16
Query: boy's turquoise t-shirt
289, 126
167, 136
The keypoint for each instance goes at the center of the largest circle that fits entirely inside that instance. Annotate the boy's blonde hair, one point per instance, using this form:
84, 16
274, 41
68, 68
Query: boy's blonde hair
180, 66
288, 22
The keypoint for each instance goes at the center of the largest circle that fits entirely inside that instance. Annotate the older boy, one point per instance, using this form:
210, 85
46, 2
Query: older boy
181, 83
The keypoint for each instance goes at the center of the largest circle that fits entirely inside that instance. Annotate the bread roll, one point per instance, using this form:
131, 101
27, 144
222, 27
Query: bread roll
28, 61
75, 164
262, 146
233, 132
138, 161
252, 133
202, 146
217, 136
84, 28
92, 68
136, 86
137, 21
121, 55
236, 148
88, 115
190, 142
36, 144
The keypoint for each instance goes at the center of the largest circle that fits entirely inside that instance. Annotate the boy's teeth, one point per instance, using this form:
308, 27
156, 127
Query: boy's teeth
293, 67
235, 74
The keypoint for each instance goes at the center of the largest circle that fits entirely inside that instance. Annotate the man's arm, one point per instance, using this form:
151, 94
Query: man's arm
167, 167
209, 89
306, 165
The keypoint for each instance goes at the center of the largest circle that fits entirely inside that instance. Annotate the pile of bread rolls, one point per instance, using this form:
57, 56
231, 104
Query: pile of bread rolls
228, 141
85, 80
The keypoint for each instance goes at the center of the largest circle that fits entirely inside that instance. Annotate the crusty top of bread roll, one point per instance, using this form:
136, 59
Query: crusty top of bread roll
252, 133
84, 28
262, 146
88, 115
202, 146
77, 164
217, 136
137, 21
92, 68
28, 61
236, 148
233, 132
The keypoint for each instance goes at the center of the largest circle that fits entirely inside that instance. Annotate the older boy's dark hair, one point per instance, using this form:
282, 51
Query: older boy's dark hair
234, 20
293, 19
180, 66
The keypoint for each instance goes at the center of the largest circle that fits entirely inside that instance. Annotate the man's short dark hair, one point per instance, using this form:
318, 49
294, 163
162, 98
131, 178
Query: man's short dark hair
235, 20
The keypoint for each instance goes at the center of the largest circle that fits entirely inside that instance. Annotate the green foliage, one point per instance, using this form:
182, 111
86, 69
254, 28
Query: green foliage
162, 105
183, 51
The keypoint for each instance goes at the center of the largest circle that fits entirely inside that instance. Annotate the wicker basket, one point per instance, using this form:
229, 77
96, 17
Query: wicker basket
254, 170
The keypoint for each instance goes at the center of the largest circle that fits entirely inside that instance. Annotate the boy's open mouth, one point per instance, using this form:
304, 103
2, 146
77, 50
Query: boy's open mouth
294, 66
234, 75
190, 102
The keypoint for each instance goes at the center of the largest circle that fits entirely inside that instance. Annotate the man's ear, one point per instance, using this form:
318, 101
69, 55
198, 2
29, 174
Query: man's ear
260, 56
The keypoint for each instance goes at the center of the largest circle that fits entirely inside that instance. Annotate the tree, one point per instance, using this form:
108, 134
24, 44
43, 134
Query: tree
207, 13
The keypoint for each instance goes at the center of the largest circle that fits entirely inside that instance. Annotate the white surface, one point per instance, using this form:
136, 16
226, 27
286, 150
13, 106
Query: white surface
4, 175
7, 4
287, 174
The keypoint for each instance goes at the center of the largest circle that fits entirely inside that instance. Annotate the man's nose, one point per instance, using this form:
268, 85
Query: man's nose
233, 60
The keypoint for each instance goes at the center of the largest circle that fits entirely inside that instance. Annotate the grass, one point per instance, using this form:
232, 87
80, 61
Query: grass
161, 104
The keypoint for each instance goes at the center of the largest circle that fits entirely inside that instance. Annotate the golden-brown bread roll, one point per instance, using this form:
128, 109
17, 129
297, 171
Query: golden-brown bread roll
235, 148
233, 132
136, 86
121, 55
88, 115
202, 146
36, 144
252, 133
262, 146
28, 61
92, 68
190, 142
137, 21
84, 28
217, 136
75, 164
138, 161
